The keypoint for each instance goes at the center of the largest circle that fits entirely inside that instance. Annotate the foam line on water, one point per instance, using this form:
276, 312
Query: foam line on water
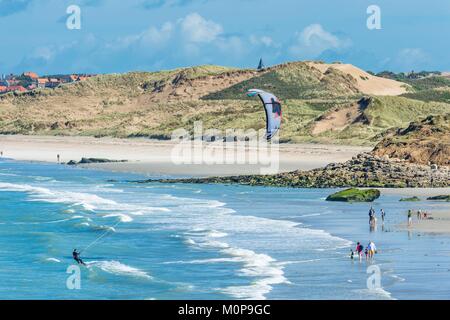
243, 239
89, 201
117, 268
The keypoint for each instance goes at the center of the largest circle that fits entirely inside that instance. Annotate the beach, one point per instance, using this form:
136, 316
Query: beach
153, 157
178, 241
187, 241
438, 222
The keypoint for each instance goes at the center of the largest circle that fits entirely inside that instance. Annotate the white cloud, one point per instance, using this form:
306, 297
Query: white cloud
314, 40
45, 53
263, 40
156, 36
197, 29
153, 36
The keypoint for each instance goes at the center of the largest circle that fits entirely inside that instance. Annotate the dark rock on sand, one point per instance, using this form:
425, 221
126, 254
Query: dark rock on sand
93, 160
440, 198
410, 199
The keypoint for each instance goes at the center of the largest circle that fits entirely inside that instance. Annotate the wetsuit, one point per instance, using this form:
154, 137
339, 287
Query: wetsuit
76, 257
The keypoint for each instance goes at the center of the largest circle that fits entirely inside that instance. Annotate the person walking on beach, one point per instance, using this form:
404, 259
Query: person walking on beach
372, 249
359, 250
58, 158
419, 215
383, 215
409, 217
371, 215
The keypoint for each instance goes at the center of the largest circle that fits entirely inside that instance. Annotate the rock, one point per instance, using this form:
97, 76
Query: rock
364, 171
355, 195
440, 198
93, 160
410, 199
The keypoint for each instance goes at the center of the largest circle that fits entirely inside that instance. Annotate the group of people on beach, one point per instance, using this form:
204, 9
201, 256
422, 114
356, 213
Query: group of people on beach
368, 252
421, 215
372, 215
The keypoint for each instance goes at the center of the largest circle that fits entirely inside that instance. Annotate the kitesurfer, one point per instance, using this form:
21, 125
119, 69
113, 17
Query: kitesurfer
76, 257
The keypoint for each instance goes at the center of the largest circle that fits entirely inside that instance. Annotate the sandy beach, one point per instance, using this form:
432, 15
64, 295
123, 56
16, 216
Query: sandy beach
438, 222
152, 157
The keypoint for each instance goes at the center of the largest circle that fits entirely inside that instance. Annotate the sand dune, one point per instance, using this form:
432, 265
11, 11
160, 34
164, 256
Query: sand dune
366, 82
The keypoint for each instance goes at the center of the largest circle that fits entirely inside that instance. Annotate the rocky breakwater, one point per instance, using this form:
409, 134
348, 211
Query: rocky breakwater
364, 170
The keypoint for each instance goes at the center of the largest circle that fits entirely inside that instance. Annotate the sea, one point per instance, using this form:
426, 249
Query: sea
186, 241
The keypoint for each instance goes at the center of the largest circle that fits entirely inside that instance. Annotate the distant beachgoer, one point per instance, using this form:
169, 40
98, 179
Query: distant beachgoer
359, 250
383, 215
371, 215
409, 217
58, 158
419, 214
366, 252
372, 249
1, 154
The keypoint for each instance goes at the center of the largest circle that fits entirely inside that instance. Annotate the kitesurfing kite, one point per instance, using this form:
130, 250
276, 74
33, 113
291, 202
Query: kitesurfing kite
272, 107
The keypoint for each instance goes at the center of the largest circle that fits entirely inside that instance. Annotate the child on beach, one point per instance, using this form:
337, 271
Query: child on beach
409, 217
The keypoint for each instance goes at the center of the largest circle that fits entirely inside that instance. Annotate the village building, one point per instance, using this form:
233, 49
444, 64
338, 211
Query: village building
15, 88
52, 83
41, 82
31, 75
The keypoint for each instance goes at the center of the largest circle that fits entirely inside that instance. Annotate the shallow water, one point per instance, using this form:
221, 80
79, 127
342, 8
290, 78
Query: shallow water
158, 241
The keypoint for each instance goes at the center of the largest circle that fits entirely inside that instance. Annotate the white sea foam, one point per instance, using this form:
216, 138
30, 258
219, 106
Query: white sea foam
53, 260
117, 268
242, 239
8, 174
88, 201
121, 216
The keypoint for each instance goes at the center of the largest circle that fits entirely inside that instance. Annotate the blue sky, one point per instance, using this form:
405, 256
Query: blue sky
146, 35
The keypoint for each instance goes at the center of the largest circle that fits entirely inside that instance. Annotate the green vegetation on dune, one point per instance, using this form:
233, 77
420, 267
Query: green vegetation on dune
428, 83
294, 81
387, 112
438, 94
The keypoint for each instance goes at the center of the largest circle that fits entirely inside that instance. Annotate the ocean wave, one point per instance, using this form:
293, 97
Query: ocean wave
88, 201
121, 216
117, 268
261, 266
244, 239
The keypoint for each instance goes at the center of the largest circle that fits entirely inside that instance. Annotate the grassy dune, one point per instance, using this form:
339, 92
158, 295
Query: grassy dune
153, 104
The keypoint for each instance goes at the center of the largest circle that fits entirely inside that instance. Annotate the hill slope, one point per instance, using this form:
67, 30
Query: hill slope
422, 142
153, 104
